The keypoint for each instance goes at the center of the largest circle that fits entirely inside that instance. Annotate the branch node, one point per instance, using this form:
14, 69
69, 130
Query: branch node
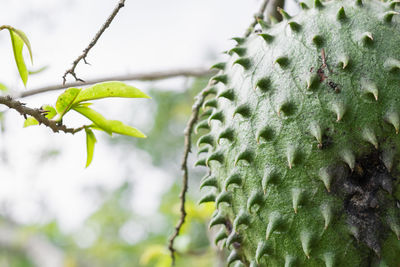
87, 63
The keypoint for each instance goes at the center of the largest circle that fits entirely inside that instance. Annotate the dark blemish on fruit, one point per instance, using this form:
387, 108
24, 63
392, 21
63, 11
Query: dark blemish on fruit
334, 86
326, 142
365, 191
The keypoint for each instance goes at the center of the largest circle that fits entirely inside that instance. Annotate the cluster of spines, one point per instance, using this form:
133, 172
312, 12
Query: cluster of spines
312, 81
264, 85
276, 220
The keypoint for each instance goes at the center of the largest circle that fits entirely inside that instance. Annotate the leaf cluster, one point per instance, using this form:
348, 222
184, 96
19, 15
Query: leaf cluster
77, 99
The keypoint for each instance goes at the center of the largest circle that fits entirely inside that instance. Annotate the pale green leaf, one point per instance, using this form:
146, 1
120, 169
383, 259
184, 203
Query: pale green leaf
109, 126
87, 104
95, 117
120, 128
51, 111
37, 71
30, 121
3, 87
90, 142
18, 44
25, 39
109, 89
65, 100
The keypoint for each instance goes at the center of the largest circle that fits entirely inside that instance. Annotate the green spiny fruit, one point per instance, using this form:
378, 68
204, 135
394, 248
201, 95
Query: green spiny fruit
302, 143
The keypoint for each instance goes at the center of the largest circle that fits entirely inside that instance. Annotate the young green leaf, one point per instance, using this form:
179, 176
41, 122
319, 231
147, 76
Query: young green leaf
109, 126
109, 89
90, 142
37, 71
30, 121
95, 117
18, 44
50, 114
120, 128
65, 100
51, 111
25, 39
3, 87
87, 104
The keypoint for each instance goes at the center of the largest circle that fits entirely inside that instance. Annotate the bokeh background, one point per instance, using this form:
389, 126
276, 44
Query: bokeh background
121, 210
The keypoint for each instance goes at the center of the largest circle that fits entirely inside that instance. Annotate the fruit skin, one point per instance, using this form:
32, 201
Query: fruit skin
303, 146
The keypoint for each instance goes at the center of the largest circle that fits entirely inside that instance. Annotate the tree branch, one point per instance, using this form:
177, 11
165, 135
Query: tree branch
71, 71
146, 76
38, 114
272, 10
187, 146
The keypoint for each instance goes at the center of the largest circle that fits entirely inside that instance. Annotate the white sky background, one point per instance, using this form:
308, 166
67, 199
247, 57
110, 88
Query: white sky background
146, 35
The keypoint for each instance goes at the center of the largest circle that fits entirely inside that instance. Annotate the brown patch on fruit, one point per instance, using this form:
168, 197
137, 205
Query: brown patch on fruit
365, 192
321, 74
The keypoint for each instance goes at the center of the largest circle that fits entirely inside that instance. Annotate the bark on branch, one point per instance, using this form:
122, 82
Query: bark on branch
37, 113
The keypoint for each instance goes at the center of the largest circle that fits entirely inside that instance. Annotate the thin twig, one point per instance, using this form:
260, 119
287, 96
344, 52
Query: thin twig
272, 10
257, 16
71, 71
38, 114
187, 146
146, 76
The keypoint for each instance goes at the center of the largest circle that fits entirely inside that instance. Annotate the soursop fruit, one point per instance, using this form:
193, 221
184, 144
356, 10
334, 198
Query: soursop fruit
302, 142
